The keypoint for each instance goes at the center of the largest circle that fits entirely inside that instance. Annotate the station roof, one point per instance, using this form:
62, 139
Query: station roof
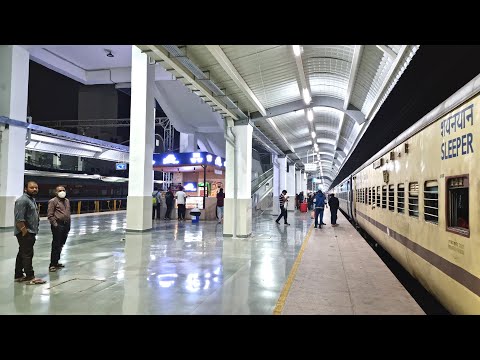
311, 103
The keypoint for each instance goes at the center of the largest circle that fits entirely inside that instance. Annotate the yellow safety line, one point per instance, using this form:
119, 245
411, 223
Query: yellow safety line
286, 288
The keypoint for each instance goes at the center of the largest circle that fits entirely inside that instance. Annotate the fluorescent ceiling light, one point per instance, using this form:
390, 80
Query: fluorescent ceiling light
296, 50
310, 115
306, 96
313, 134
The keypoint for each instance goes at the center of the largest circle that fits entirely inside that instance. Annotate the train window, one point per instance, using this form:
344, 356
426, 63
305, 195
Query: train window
369, 196
379, 199
373, 195
384, 196
457, 205
401, 198
365, 195
413, 199
391, 197
430, 201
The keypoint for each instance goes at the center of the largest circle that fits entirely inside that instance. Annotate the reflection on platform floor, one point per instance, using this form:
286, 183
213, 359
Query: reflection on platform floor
178, 268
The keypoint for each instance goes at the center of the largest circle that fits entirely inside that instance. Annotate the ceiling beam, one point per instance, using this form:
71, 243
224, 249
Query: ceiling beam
324, 101
357, 53
386, 81
162, 54
232, 72
387, 51
303, 84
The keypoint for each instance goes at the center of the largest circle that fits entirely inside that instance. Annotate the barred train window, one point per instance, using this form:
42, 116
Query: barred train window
379, 199
391, 197
365, 199
369, 196
457, 205
373, 195
430, 201
413, 199
384, 197
401, 198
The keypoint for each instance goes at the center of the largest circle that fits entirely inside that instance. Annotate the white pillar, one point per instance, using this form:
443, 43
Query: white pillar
304, 183
238, 208
298, 182
14, 62
282, 182
142, 130
291, 187
276, 184
188, 142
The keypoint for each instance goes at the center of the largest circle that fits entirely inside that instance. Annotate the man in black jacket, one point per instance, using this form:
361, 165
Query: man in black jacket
334, 204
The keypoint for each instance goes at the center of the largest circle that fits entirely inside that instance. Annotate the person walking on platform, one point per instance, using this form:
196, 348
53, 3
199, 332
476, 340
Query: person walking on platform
220, 203
319, 206
156, 203
334, 205
58, 214
169, 202
26, 229
283, 199
181, 196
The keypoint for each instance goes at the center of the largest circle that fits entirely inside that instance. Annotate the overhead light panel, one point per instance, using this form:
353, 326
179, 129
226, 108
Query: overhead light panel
313, 134
310, 114
306, 96
296, 50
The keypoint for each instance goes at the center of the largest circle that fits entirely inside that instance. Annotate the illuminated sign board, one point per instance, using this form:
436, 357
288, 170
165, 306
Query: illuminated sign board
170, 159
190, 186
121, 166
188, 159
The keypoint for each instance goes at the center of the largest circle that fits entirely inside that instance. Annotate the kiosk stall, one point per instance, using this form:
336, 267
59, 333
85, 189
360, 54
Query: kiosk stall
201, 174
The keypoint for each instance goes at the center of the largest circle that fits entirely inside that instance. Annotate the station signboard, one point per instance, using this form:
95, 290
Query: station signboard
311, 167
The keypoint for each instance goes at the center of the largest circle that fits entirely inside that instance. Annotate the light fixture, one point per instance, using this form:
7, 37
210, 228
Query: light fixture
310, 114
306, 96
296, 50
313, 134
109, 53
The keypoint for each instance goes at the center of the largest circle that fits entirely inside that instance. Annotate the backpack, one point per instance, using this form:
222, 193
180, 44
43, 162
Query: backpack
154, 198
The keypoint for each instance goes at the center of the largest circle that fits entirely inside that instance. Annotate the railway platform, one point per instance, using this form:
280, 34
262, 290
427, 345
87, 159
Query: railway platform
187, 268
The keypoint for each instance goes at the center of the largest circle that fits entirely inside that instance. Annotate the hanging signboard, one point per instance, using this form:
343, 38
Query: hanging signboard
311, 167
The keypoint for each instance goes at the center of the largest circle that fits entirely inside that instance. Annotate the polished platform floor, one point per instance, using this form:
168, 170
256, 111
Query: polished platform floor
185, 268
178, 268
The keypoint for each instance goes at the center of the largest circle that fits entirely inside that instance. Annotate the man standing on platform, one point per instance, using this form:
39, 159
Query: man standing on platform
26, 229
59, 216
334, 205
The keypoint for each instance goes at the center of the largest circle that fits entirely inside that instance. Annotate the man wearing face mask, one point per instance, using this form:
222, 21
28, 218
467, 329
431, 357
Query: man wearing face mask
59, 217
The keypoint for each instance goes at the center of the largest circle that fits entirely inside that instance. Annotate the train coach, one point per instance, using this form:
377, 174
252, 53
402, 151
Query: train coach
418, 198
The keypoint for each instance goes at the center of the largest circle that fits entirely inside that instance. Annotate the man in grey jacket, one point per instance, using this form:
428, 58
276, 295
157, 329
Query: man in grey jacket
26, 229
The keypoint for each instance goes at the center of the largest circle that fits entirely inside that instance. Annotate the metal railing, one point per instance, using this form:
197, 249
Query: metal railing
88, 205
261, 180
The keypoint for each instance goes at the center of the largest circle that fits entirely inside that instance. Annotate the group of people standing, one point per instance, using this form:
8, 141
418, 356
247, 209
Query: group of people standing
169, 197
316, 201
27, 222
180, 196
